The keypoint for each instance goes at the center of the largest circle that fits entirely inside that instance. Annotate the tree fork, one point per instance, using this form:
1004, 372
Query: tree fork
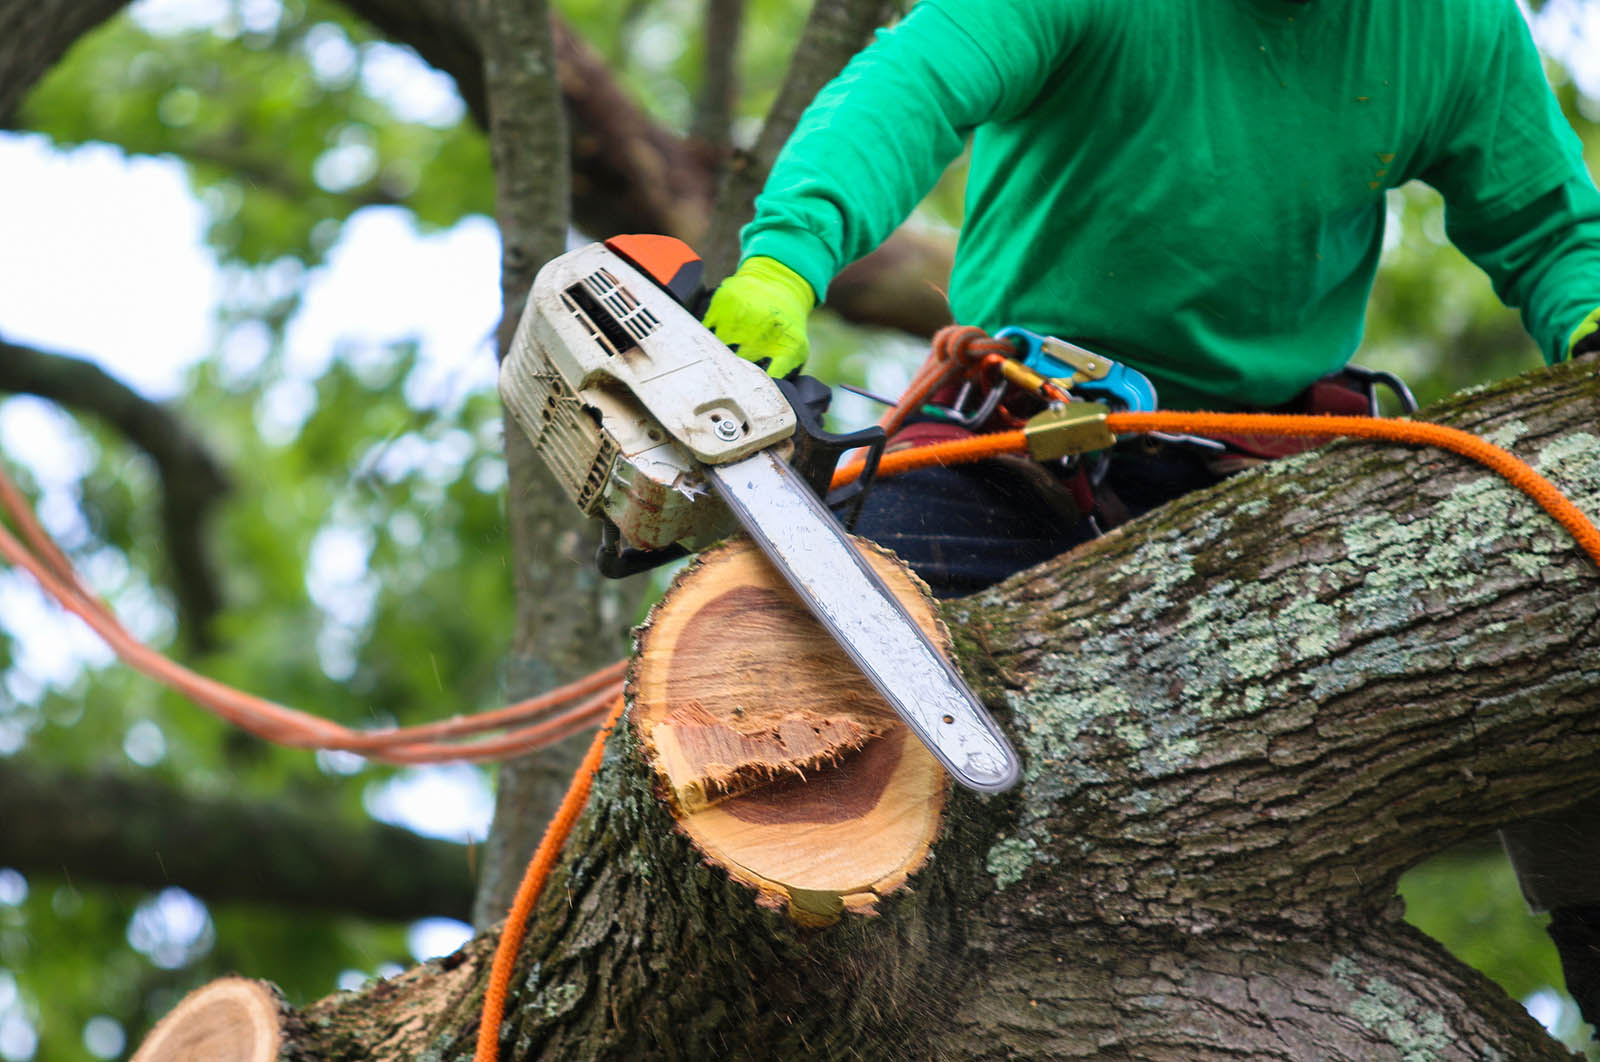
1242, 718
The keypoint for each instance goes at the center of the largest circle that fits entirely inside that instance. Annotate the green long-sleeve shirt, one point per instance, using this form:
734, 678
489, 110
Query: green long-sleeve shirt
1196, 187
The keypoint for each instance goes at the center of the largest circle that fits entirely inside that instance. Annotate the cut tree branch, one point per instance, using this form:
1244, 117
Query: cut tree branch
1241, 718
128, 830
193, 481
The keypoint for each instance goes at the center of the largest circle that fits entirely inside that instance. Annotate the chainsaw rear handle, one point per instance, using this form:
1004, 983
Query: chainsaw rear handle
614, 559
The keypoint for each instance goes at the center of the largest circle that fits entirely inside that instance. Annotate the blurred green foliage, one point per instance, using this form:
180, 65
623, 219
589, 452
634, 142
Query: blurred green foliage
286, 130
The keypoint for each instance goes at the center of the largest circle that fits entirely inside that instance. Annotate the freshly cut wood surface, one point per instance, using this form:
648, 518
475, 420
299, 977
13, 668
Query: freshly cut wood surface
229, 1020
781, 760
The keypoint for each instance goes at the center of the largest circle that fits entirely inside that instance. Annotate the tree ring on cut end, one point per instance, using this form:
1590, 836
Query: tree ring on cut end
778, 757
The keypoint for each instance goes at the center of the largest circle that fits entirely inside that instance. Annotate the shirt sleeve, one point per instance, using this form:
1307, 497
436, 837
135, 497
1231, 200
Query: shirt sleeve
1519, 200
877, 138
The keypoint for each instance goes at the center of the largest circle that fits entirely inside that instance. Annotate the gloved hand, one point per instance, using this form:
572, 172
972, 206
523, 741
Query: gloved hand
1585, 339
761, 312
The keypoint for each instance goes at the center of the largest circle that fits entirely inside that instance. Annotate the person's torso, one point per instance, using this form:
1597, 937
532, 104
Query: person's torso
1199, 190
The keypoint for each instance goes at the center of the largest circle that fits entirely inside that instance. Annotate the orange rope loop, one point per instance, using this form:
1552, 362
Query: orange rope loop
1417, 433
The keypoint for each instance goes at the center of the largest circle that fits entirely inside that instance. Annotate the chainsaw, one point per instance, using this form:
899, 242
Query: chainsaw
655, 427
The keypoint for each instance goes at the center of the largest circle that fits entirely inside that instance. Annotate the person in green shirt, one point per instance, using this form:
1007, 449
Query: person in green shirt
1196, 190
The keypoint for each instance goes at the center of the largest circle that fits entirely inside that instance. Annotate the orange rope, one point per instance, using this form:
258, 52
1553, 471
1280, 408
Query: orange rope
1511, 467
953, 452
1515, 470
533, 879
957, 350
538, 721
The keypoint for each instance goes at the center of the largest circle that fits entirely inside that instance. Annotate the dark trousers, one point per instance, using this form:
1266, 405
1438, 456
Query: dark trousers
967, 527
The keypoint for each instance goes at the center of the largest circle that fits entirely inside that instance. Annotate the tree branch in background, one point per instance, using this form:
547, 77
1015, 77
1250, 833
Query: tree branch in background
630, 173
720, 30
193, 481
34, 36
268, 174
834, 32
137, 831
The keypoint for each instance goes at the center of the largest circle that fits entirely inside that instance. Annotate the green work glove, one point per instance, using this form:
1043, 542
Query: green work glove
761, 312
1585, 339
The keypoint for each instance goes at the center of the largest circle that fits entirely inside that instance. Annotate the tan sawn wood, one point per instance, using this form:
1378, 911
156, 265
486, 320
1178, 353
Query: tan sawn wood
229, 1020
782, 762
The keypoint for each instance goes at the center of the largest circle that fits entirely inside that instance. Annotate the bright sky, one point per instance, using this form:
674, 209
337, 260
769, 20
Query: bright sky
102, 256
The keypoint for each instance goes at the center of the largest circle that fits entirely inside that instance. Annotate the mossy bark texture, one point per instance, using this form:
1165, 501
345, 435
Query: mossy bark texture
1242, 719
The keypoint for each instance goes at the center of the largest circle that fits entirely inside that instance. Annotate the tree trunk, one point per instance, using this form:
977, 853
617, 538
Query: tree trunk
1242, 718
569, 621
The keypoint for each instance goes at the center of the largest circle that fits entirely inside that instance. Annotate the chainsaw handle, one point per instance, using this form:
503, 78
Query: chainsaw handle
817, 450
614, 560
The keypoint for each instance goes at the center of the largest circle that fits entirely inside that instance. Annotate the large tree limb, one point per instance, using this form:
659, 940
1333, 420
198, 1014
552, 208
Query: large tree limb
193, 481
1241, 717
120, 829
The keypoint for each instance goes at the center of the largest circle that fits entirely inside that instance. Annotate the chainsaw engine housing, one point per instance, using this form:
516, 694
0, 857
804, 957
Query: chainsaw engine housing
626, 395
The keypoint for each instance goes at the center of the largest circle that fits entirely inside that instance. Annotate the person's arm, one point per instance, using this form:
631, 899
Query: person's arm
1519, 200
870, 147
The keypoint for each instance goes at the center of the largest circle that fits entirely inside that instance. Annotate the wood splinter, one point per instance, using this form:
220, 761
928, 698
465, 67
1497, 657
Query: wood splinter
779, 759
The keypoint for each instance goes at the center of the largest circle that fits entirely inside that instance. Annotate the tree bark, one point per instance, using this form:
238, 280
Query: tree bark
569, 621
193, 480
119, 829
1242, 718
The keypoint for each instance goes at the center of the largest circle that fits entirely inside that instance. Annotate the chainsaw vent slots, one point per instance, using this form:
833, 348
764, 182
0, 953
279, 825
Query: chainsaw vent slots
565, 431
610, 312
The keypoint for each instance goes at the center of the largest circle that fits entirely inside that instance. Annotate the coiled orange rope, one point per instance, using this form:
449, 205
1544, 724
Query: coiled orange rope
529, 725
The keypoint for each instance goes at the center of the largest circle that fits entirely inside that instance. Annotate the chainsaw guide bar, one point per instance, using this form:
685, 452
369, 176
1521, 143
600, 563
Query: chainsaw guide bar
647, 420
